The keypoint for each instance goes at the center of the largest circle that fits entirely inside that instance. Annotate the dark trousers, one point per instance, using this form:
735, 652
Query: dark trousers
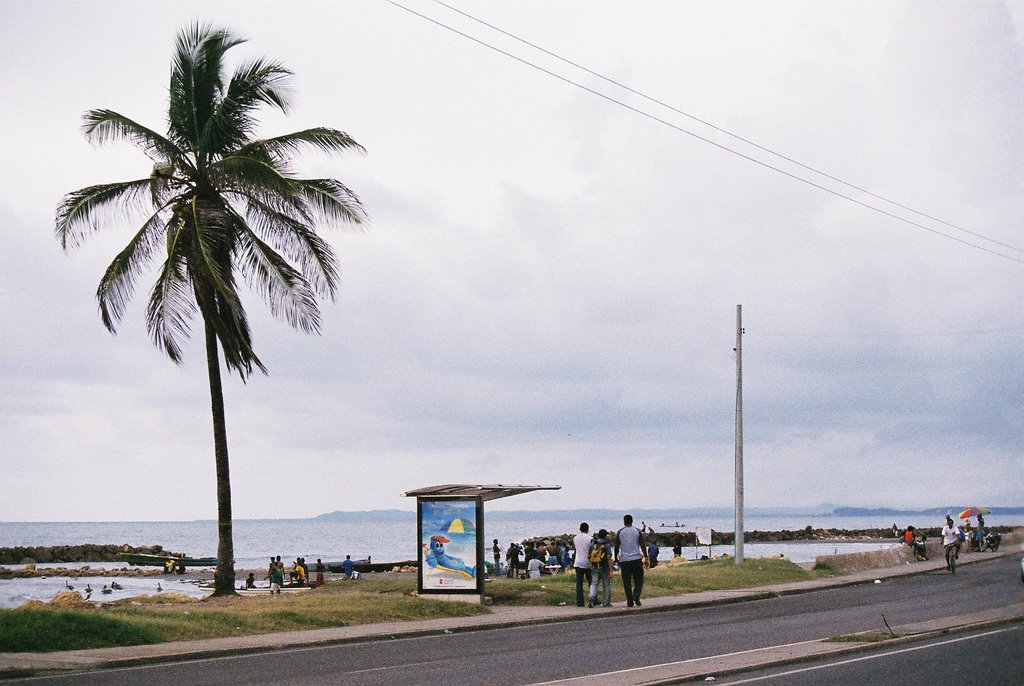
582, 575
632, 579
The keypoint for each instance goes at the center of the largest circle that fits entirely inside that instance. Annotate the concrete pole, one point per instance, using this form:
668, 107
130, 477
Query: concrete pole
738, 539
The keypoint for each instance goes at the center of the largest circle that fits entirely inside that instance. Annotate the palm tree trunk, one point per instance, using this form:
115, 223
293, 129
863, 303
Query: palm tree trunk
224, 577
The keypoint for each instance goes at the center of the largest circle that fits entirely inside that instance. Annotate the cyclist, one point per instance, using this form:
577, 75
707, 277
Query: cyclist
951, 542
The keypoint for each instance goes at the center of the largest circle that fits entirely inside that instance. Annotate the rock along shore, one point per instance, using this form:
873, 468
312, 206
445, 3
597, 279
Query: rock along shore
87, 552
808, 534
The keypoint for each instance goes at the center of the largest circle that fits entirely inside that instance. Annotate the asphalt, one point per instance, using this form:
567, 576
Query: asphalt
25, 664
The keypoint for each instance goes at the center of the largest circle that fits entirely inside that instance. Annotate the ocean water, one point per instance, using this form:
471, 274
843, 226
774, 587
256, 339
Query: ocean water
386, 540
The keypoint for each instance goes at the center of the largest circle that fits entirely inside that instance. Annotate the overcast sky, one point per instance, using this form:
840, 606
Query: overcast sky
547, 291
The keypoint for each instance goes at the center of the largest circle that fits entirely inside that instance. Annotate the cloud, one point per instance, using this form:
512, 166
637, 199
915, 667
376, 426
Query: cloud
547, 290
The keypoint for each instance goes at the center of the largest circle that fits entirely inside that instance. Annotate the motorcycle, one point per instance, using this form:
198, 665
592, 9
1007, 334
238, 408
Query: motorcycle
991, 541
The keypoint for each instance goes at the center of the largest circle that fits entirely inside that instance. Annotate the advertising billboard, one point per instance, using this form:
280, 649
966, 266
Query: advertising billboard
451, 550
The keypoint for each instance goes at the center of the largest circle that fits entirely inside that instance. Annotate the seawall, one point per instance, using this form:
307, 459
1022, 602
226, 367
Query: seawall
900, 554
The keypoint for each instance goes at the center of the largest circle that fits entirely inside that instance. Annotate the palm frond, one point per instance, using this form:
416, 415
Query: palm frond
212, 234
171, 305
261, 81
197, 82
102, 126
251, 174
225, 313
118, 283
77, 211
299, 242
254, 83
284, 289
332, 200
320, 138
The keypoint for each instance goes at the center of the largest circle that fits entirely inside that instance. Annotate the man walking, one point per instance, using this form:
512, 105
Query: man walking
632, 555
601, 569
582, 543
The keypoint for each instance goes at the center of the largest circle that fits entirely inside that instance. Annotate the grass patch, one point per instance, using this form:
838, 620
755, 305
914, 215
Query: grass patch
663, 580
39, 630
153, 619
823, 569
867, 637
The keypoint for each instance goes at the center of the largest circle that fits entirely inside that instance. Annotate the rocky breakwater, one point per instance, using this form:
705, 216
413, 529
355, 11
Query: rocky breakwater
667, 539
87, 552
31, 556
29, 571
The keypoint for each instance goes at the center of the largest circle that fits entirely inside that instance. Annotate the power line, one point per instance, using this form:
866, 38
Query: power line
720, 129
922, 334
699, 137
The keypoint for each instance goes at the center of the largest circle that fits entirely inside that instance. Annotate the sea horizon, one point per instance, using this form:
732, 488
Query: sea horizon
825, 510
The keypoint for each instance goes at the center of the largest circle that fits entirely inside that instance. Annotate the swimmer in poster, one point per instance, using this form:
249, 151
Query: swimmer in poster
449, 544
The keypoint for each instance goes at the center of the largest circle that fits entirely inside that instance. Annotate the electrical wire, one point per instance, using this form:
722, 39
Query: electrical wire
933, 334
699, 137
738, 137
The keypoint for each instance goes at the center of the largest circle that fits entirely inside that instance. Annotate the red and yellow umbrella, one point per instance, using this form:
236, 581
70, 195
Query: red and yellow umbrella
974, 512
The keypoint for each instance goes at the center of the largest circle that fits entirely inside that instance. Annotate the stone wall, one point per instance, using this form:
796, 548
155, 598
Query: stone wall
87, 552
901, 554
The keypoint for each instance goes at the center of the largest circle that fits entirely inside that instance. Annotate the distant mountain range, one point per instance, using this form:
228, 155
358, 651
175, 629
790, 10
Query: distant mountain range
870, 512
663, 514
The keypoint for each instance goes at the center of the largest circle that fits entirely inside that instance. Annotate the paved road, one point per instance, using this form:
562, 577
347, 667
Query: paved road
634, 642
992, 657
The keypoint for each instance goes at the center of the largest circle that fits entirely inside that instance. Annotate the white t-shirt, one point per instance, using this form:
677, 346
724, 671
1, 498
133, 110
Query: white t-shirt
534, 568
950, 535
582, 543
630, 543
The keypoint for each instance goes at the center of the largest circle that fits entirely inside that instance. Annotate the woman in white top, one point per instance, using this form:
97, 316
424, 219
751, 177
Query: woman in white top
533, 568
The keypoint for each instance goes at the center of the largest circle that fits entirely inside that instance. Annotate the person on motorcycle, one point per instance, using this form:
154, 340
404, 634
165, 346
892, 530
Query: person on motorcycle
951, 538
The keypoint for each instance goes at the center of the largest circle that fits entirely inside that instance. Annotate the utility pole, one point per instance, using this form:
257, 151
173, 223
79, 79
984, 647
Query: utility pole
738, 538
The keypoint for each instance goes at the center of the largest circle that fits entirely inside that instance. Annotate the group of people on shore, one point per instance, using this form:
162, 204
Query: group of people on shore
297, 575
952, 536
530, 559
594, 558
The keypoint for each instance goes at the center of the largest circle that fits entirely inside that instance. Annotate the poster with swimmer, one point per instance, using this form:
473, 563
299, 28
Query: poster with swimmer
449, 545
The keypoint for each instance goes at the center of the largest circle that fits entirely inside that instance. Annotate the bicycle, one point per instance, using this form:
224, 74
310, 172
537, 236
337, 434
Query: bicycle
951, 553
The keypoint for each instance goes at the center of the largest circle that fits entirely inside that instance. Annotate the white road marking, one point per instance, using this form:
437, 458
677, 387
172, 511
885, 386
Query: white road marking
678, 662
874, 656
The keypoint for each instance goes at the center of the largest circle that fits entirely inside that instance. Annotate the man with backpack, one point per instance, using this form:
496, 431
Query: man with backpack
582, 543
601, 569
632, 556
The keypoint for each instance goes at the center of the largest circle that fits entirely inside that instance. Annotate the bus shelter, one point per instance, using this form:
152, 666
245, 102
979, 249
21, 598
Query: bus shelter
450, 537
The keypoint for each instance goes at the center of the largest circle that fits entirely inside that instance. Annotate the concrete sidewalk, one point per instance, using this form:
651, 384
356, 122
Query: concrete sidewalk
24, 664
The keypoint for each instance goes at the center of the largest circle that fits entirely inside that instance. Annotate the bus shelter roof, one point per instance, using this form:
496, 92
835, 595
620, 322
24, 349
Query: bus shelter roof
484, 492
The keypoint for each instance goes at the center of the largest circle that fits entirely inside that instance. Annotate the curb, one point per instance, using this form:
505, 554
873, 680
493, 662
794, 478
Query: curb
844, 649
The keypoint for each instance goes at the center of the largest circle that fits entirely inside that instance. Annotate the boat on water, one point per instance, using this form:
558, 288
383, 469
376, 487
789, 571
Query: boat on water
365, 566
150, 560
264, 590
286, 590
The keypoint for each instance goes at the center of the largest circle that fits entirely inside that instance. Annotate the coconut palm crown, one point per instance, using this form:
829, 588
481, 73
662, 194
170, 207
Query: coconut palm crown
217, 205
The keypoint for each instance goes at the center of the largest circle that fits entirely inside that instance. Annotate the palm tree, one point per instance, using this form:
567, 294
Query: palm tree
218, 204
